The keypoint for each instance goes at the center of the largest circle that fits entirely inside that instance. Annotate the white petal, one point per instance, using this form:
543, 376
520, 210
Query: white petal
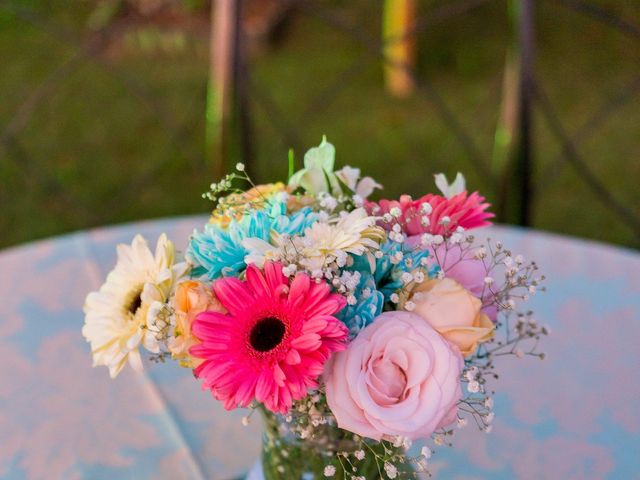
366, 186
458, 185
321, 157
135, 361
349, 176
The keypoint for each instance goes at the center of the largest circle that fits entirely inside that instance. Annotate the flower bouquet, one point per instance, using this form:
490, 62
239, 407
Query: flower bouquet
353, 327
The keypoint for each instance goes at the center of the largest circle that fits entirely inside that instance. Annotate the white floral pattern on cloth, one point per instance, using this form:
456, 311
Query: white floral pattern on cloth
59, 418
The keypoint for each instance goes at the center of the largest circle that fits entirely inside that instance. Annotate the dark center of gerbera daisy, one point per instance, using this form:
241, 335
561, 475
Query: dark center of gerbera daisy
136, 302
267, 334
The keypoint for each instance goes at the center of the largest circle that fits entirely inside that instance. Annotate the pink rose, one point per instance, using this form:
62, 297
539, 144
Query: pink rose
397, 377
454, 312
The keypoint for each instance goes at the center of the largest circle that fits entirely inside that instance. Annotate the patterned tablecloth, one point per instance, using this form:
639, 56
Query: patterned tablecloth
574, 415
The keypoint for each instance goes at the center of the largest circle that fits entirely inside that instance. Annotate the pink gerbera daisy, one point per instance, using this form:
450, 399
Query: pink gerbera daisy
273, 343
463, 210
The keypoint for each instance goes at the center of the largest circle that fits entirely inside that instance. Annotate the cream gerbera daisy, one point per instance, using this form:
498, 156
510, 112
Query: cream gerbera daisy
355, 233
118, 317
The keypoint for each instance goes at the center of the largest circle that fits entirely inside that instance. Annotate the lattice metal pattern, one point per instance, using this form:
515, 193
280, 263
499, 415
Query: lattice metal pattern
250, 94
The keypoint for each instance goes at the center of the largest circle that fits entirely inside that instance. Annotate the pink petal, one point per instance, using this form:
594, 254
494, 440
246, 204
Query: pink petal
299, 288
264, 386
278, 375
316, 324
257, 282
293, 357
310, 341
274, 275
234, 295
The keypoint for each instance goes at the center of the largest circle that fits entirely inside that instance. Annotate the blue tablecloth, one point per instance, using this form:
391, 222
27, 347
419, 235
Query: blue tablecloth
574, 415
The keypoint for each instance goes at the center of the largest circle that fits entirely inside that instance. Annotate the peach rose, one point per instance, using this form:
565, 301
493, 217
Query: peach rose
454, 312
469, 272
191, 298
397, 377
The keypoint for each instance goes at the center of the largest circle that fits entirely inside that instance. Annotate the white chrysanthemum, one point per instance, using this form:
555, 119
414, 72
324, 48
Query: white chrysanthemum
260, 251
118, 317
354, 233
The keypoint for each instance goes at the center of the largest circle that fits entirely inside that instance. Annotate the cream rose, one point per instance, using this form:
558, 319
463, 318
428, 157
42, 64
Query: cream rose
397, 377
454, 312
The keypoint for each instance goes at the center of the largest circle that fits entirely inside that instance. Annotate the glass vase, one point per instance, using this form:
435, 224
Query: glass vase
285, 455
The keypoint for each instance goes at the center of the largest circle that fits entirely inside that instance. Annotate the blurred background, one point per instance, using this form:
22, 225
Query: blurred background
118, 110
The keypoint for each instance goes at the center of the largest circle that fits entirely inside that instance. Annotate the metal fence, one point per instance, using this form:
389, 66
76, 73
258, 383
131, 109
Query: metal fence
531, 97
510, 172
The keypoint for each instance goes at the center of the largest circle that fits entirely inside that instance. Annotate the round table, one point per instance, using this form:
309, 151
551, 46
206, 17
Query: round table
573, 415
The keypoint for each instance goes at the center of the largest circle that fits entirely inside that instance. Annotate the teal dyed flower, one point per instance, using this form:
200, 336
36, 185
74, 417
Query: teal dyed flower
388, 272
369, 303
293, 224
389, 275
218, 251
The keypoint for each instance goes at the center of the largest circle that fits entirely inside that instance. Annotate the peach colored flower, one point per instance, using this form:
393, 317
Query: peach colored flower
298, 201
191, 298
257, 197
469, 272
454, 312
397, 377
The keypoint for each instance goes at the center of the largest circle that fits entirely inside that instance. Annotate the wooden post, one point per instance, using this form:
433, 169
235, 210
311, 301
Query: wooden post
399, 46
513, 145
524, 161
220, 95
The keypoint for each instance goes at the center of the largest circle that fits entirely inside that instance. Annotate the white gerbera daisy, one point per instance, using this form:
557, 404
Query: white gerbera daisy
355, 233
118, 317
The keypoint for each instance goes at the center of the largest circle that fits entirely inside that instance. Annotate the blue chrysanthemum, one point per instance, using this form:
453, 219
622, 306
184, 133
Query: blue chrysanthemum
294, 224
218, 251
369, 303
388, 275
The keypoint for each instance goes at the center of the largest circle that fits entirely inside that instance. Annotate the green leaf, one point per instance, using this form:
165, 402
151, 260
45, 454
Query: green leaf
292, 164
328, 180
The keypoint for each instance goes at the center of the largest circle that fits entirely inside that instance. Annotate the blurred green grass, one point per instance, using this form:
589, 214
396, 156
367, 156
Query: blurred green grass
121, 137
